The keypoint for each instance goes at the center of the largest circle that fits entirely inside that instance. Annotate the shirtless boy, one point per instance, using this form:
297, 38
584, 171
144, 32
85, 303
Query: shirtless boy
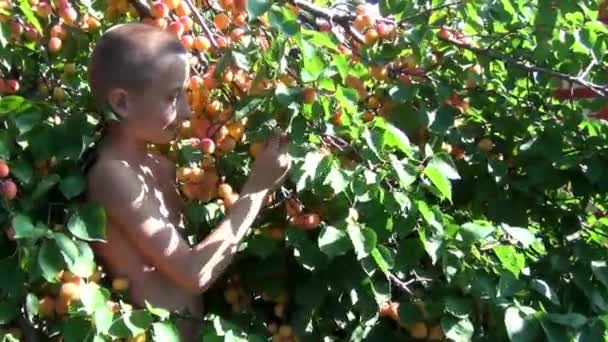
141, 73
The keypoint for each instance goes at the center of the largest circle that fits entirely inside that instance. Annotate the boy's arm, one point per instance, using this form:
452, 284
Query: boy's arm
129, 204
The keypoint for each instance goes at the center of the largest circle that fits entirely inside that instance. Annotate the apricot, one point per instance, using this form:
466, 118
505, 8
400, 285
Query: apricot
69, 291
285, 331
227, 4
436, 334
54, 44
93, 23
196, 176
182, 9
224, 190
227, 145
68, 14
486, 145
231, 295
58, 94
221, 21
445, 34
58, 31
161, 23
183, 173
187, 42
12, 86
10, 189
4, 169
390, 310
46, 307
371, 36
418, 330
308, 95
276, 233
120, 284
240, 5
171, 4
176, 28
279, 310
139, 338
207, 146
384, 30
186, 22
43, 10
294, 208
255, 149
159, 10
240, 19
306, 221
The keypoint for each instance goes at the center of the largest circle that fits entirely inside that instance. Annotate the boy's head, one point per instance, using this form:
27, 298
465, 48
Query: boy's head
140, 72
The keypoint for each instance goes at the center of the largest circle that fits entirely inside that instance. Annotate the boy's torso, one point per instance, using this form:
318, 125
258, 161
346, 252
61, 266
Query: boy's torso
122, 259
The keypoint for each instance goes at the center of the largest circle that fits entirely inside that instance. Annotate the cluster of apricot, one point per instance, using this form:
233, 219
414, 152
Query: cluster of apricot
371, 28
419, 329
8, 188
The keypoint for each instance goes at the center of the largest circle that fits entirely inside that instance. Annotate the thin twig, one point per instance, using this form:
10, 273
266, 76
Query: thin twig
598, 89
400, 284
332, 16
403, 21
203, 24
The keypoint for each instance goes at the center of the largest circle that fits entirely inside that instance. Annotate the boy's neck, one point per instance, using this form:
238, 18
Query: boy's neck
120, 140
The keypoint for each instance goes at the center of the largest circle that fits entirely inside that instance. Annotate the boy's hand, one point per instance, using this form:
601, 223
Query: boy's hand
272, 164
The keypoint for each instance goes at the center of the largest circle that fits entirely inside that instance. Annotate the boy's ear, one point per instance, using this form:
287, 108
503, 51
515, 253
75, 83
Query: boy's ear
119, 102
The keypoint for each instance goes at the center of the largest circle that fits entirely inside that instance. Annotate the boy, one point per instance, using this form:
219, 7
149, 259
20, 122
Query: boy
141, 74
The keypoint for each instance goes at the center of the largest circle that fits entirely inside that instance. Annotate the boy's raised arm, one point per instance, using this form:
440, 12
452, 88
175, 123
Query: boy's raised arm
136, 210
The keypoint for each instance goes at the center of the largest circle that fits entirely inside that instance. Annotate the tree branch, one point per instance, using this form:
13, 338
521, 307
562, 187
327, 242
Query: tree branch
598, 89
332, 16
201, 21
403, 21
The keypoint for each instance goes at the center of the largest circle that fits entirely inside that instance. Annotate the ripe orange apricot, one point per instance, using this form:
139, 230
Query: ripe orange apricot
68, 14
43, 10
231, 199
139, 338
231, 295
418, 330
221, 21
46, 307
224, 190
309, 95
371, 36
159, 10
187, 23
207, 146
227, 144
10, 189
255, 149
236, 34
171, 4
486, 145
70, 291
293, 207
227, 4
58, 94
182, 9
436, 334
62, 305
176, 28
445, 34
390, 310
93, 23
187, 42
12, 86
201, 43
120, 284
240, 19
58, 31
306, 221
54, 44
4, 169
285, 331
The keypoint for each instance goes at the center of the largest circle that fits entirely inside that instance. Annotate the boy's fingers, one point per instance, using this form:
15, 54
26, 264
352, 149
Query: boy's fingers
273, 142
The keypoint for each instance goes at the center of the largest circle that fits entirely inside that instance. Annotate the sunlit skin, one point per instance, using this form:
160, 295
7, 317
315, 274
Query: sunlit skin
143, 205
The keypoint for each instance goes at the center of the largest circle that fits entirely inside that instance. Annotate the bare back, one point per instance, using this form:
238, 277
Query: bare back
154, 176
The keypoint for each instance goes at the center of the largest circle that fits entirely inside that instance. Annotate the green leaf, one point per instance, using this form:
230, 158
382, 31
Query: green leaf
441, 182
241, 60
600, 271
76, 329
103, 318
472, 231
262, 246
445, 165
282, 19
72, 186
510, 259
383, 258
523, 235
554, 332
458, 307
573, 320
363, 239
405, 178
25, 229
257, 8
92, 297
8, 311
77, 255
12, 104
32, 305
45, 185
22, 169
336, 179
50, 260
131, 324
158, 312
394, 137
25, 7
519, 328
457, 330
544, 289
165, 332
88, 223
333, 241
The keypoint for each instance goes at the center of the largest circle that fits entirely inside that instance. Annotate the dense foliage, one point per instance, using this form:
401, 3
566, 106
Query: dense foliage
449, 179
